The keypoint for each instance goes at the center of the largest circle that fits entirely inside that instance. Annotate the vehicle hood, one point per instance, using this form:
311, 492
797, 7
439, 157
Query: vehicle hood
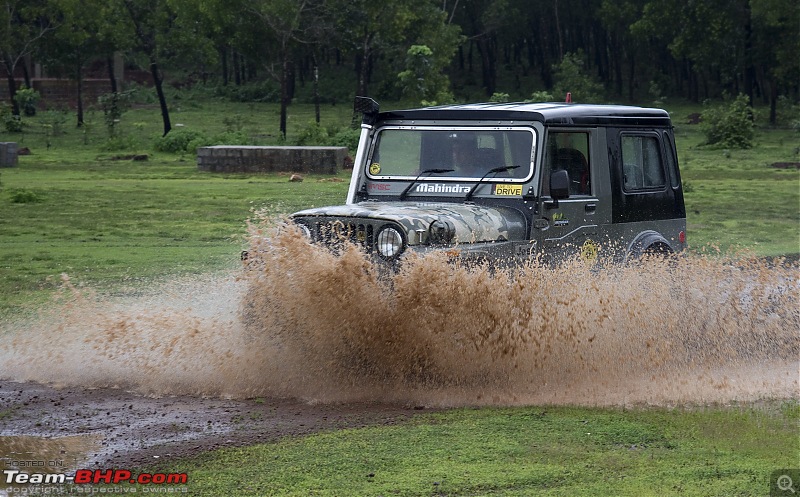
472, 223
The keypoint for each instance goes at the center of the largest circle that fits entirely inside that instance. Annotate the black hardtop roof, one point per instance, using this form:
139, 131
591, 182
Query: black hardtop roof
546, 112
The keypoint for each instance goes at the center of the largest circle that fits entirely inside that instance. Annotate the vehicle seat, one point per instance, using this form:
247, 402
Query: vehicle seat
574, 162
489, 158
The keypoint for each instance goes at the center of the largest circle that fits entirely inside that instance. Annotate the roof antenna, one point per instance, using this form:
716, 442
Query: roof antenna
569, 97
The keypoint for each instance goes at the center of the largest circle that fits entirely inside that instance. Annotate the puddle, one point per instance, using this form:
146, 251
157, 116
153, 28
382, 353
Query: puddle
36, 455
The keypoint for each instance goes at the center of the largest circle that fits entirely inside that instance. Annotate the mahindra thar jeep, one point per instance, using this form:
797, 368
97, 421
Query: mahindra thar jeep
507, 181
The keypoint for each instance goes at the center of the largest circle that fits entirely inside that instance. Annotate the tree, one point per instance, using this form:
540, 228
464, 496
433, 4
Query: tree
87, 30
287, 24
435, 41
163, 31
775, 47
368, 29
23, 24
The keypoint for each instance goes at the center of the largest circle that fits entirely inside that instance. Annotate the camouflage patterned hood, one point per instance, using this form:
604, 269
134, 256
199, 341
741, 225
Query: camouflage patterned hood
473, 223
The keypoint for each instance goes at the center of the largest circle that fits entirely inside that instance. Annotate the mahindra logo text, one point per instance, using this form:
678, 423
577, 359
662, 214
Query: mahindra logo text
440, 188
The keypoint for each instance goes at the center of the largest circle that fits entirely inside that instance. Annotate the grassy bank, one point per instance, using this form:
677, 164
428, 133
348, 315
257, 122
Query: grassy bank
520, 451
79, 205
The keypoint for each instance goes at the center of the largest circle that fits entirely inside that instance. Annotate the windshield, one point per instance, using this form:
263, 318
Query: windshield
402, 152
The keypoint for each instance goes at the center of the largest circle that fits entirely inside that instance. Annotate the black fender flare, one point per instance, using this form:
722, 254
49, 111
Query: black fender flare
648, 241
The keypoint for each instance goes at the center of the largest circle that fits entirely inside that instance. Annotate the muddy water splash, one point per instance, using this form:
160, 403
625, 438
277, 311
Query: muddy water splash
304, 322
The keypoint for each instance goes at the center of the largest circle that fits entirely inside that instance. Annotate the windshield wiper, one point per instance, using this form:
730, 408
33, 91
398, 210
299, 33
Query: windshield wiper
421, 173
493, 170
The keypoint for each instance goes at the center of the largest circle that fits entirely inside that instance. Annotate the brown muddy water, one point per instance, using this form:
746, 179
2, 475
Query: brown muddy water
305, 323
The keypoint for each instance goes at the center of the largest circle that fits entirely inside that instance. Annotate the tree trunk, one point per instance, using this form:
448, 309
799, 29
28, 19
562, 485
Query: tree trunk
316, 89
558, 32
749, 70
631, 77
284, 93
223, 57
362, 74
12, 85
237, 76
488, 65
773, 101
79, 81
111, 78
158, 81
26, 75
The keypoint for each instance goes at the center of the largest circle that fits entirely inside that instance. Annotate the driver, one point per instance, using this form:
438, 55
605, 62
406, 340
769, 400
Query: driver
465, 156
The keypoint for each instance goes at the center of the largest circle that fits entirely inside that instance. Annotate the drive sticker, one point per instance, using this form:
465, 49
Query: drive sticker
589, 251
508, 190
374, 168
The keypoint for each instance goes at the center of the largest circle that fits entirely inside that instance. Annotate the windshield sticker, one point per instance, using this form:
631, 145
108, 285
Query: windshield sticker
379, 187
374, 168
440, 188
508, 190
558, 219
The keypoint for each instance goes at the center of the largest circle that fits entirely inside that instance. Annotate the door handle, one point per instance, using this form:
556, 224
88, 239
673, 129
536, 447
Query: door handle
590, 208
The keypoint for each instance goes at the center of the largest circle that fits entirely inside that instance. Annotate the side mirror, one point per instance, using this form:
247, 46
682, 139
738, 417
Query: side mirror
559, 184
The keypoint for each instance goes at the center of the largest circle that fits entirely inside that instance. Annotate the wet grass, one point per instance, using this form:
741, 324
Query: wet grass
736, 198
520, 451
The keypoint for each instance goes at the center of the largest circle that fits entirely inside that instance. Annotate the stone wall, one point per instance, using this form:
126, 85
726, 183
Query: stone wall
253, 159
8, 154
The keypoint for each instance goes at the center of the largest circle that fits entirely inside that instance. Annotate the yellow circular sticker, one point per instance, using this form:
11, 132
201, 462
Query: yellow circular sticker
589, 251
374, 168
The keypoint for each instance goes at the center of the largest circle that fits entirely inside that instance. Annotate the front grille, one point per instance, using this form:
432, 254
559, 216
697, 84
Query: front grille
335, 232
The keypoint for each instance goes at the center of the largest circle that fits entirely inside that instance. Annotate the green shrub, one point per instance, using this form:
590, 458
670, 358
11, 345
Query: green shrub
119, 143
731, 126
114, 105
27, 98
226, 138
347, 138
7, 118
541, 96
314, 134
179, 140
23, 196
570, 77
500, 97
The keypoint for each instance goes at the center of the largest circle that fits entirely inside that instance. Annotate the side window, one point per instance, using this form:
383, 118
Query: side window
641, 163
672, 163
569, 151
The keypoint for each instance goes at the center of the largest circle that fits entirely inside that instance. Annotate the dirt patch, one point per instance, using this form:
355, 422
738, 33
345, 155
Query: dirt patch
785, 165
131, 430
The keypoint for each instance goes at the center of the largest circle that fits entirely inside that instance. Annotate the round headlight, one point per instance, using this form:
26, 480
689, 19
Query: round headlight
305, 230
389, 242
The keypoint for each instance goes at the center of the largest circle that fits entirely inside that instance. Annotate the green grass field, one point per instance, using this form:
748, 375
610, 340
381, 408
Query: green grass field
520, 452
77, 206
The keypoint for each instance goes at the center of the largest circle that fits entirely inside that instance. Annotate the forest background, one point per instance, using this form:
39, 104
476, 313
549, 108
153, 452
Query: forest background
416, 51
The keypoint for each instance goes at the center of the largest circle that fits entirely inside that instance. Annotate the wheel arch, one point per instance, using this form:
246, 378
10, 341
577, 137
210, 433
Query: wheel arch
648, 241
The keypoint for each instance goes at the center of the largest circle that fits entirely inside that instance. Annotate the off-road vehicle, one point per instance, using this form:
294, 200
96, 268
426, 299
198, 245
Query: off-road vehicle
504, 181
